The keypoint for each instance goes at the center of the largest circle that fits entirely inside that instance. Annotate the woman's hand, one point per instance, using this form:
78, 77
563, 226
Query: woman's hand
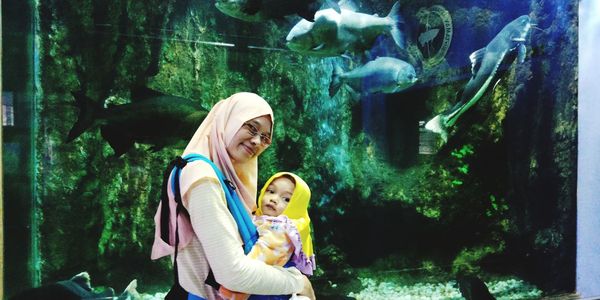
307, 291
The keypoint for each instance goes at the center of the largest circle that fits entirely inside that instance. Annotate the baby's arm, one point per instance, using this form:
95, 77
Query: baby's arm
273, 246
217, 232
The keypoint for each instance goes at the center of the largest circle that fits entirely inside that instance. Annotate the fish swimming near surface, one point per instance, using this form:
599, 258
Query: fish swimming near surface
334, 33
382, 75
261, 10
485, 64
151, 118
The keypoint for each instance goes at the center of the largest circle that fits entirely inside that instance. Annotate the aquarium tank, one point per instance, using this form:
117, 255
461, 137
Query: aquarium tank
438, 137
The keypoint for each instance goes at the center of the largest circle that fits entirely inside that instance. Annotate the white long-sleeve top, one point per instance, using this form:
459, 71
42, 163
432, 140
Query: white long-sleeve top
218, 243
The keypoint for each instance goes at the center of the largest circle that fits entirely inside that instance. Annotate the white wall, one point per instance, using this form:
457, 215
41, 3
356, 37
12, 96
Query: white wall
588, 177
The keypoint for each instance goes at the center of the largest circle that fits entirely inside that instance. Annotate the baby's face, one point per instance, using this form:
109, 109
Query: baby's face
277, 196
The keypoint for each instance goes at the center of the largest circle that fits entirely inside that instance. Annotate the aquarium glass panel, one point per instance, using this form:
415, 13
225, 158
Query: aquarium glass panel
438, 138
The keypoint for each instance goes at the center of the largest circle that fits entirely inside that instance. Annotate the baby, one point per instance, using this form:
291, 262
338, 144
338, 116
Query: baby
283, 227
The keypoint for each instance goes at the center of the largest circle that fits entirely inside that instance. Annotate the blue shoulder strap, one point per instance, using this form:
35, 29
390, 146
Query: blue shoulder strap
242, 218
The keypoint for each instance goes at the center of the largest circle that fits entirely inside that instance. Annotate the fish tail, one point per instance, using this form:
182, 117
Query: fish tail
86, 115
130, 291
333, 5
438, 125
336, 80
397, 20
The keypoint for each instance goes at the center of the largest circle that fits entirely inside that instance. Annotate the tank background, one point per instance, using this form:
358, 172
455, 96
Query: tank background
499, 197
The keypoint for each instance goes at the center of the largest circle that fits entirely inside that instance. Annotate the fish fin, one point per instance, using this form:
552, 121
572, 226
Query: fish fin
435, 124
84, 280
130, 292
116, 139
86, 117
331, 4
522, 51
319, 47
496, 84
346, 56
438, 125
476, 58
397, 19
140, 93
347, 5
336, 81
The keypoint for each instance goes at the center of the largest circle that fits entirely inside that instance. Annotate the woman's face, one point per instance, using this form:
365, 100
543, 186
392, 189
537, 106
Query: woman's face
250, 140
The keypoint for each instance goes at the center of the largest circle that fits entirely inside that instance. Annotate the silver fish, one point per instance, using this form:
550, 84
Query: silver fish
334, 33
382, 75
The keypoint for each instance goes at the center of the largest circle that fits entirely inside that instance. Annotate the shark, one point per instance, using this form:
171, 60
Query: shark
485, 63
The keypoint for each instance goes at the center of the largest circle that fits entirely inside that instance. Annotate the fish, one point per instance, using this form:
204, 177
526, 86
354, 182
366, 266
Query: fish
382, 75
335, 33
151, 118
428, 36
75, 288
485, 63
262, 10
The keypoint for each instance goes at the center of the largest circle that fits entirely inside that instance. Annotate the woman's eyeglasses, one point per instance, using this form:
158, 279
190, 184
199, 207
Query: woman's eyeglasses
253, 131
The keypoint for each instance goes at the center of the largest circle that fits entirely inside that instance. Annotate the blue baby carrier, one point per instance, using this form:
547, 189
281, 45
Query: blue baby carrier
246, 228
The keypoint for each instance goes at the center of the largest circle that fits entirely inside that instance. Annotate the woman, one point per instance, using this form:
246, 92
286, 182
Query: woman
235, 132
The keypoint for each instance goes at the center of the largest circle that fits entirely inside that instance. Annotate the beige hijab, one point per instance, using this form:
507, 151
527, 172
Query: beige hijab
216, 132
211, 140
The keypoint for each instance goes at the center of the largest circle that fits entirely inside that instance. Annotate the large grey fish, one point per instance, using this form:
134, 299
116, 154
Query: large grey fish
485, 63
261, 10
382, 75
334, 33
151, 118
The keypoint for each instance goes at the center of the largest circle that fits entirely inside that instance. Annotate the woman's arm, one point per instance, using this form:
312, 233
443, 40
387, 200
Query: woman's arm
217, 231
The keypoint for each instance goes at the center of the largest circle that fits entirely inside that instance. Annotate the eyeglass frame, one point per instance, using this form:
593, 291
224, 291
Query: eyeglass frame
265, 140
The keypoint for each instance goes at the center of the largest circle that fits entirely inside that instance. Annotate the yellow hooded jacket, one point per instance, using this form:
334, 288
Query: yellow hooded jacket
297, 212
